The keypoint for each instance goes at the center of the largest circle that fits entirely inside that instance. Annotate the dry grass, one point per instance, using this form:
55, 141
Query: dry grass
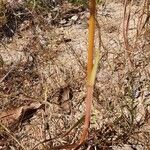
50, 69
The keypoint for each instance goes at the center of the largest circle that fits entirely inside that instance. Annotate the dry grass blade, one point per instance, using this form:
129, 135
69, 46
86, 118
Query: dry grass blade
12, 136
126, 21
11, 69
62, 136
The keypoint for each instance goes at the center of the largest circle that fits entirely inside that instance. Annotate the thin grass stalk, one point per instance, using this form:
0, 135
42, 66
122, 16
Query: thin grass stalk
92, 8
126, 21
91, 70
140, 25
12, 136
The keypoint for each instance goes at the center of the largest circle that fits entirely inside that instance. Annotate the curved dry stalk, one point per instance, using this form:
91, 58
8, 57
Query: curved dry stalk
89, 98
88, 103
91, 71
126, 21
61, 136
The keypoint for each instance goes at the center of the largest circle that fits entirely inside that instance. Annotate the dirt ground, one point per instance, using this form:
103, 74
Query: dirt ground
43, 81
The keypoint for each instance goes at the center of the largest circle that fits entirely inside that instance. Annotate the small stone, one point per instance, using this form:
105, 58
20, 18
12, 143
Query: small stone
74, 18
63, 21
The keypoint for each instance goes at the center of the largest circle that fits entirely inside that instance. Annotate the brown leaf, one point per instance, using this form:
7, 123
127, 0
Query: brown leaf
64, 99
14, 116
9, 117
